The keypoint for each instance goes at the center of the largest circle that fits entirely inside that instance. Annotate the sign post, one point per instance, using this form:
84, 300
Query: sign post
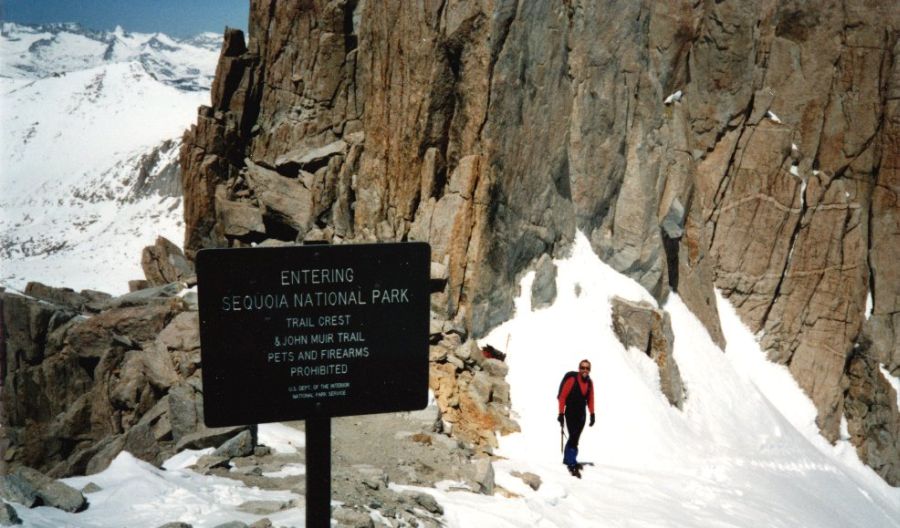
312, 332
318, 472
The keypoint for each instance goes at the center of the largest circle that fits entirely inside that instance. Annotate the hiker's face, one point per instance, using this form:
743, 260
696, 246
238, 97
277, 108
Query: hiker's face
584, 369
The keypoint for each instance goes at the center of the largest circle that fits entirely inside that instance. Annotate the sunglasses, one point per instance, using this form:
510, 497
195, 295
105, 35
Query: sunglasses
584, 368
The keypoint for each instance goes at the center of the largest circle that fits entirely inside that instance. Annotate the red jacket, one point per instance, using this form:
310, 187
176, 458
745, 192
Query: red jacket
584, 386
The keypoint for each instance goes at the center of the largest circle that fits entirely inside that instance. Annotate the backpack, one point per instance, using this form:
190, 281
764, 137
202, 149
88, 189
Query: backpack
570, 374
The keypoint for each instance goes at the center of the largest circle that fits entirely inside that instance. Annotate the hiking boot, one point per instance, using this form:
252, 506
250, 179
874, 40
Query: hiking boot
575, 471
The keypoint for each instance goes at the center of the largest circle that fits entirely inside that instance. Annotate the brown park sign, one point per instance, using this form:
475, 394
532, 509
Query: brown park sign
297, 332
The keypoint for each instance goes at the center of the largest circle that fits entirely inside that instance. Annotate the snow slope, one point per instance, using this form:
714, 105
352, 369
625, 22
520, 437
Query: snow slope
89, 148
744, 452
134, 493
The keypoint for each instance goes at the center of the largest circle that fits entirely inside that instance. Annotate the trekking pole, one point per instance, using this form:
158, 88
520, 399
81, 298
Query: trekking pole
561, 438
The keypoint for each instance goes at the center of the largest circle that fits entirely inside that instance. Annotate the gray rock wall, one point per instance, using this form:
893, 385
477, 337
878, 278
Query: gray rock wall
747, 145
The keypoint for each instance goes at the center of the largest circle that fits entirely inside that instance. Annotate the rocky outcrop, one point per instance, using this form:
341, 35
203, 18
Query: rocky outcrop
750, 146
165, 263
471, 391
543, 289
87, 376
158, 173
641, 326
871, 410
32, 488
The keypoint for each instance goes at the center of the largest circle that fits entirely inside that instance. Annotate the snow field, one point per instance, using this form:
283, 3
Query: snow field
71, 147
134, 493
64, 132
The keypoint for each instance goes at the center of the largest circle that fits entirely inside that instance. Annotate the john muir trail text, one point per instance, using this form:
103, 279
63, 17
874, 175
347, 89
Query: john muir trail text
320, 328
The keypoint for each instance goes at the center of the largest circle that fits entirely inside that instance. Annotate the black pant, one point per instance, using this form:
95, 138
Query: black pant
575, 424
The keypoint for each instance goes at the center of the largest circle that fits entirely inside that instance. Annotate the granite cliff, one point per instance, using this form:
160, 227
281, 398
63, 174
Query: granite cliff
745, 146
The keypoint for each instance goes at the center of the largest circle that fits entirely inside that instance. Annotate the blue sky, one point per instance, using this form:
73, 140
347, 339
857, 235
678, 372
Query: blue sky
179, 18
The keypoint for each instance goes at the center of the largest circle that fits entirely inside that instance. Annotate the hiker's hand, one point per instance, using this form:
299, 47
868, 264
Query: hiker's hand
560, 419
592, 420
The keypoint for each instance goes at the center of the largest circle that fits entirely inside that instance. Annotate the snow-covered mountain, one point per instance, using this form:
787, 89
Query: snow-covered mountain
92, 125
34, 52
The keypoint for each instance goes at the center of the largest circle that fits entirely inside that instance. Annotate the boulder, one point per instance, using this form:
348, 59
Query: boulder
163, 294
164, 263
8, 516
482, 474
15, 488
641, 326
263, 507
206, 437
495, 367
240, 445
138, 284
673, 223
310, 158
141, 441
532, 480
238, 218
37, 396
157, 365
182, 333
288, 199
437, 353
425, 500
90, 487
185, 410
59, 495
99, 455
350, 518
65, 297
208, 462
372, 478
50, 492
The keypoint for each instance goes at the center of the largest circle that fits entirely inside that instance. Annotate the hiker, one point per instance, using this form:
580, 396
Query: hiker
575, 393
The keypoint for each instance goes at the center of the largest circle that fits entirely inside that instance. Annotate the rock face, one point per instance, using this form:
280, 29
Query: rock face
748, 145
86, 376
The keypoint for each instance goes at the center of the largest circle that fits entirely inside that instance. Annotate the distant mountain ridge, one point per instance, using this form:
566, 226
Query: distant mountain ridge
52, 49
93, 124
